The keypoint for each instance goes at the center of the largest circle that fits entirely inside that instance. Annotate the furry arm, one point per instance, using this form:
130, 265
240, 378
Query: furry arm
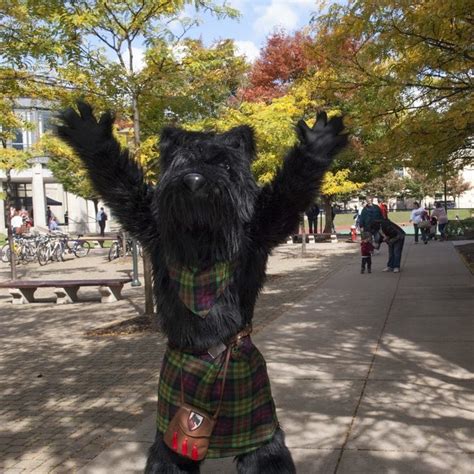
296, 183
117, 178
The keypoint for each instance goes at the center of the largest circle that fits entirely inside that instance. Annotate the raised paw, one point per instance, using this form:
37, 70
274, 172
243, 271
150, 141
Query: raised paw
324, 138
82, 130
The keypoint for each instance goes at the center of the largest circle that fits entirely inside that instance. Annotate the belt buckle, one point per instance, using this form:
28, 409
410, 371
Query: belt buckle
217, 350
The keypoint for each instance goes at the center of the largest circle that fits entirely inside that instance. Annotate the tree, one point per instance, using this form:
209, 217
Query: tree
195, 84
387, 185
282, 61
273, 124
11, 159
456, 186
419, 184
91, 47
336, 186
407, 69
67, 168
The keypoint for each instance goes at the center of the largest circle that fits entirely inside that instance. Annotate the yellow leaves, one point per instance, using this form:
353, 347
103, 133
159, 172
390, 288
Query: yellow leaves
339, 184
13, 159
148, 158
51, 145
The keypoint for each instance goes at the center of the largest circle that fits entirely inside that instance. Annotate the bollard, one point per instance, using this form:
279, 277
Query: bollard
353, 233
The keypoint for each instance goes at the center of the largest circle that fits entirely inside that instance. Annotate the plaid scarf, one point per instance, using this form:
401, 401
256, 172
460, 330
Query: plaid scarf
247, 418
199, 289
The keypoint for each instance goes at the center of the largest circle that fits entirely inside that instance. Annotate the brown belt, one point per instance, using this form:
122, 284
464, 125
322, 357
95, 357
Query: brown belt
216, 350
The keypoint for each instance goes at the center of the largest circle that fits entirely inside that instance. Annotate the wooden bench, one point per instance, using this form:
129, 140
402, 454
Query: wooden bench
23, 291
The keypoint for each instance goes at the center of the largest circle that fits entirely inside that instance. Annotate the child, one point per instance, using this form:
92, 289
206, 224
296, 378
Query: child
434, 225
366, 249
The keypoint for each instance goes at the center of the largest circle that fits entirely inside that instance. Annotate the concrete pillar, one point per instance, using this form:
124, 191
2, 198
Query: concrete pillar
39, 199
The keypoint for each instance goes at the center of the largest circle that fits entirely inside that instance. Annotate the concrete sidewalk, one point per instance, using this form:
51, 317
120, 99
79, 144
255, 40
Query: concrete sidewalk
65, 396
370, 373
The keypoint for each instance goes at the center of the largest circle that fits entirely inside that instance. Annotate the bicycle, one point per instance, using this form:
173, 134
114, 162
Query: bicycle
24, 250
116, 249
49, 249
55, 246
80, 248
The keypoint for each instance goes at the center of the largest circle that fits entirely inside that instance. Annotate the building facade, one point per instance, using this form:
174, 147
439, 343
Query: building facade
35, 189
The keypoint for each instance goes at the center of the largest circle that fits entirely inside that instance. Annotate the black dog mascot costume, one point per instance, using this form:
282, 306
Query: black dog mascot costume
208, 229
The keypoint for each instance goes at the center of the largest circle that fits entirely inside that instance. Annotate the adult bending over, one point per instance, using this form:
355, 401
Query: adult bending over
394, 236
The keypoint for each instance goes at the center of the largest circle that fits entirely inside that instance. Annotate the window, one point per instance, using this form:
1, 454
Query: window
45, 121
17, 140
23, 190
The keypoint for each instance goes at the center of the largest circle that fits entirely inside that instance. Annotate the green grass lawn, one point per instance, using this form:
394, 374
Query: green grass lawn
399, 217
402, 218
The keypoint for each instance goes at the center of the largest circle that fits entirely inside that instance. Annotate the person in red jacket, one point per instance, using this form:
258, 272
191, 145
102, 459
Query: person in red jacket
366, 249
383, 209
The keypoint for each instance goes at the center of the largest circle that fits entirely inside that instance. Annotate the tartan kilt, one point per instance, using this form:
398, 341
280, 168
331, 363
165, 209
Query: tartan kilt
247, 418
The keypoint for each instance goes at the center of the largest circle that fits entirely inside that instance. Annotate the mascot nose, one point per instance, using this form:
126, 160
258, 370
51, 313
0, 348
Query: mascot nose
193, 181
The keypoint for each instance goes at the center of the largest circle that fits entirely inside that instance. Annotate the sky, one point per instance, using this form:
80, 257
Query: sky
258, 19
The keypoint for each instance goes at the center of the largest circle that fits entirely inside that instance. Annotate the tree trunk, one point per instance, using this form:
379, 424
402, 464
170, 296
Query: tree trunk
147, 269
10, 204
445, 185
328, 214
95, 201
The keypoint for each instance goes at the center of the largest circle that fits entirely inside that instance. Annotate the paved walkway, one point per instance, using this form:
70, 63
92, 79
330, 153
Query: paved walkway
65, 397
370, 373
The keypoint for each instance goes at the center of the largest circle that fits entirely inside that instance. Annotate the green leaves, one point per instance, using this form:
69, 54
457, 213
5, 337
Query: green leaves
66, 167
404, 70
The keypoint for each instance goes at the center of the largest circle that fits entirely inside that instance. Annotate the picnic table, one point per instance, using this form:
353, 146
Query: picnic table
22, 291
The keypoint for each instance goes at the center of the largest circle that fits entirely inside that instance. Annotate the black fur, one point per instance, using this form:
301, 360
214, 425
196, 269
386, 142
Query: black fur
272, 458
227, 218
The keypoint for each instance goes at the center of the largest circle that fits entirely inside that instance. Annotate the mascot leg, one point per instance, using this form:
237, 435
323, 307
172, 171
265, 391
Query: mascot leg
272, 458
161, 460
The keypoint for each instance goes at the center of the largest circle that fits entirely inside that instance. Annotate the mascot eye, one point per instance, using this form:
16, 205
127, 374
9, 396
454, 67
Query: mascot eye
225, 165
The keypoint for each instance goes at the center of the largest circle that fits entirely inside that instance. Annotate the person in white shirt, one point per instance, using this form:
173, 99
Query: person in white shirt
16, 223
416, 217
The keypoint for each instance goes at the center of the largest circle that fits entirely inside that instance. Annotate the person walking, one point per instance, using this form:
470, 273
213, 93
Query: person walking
439, 212
102, 219
356, 217
333, 217
369, 214
416, 217
49, 215
394, 236
312, 214
366, 249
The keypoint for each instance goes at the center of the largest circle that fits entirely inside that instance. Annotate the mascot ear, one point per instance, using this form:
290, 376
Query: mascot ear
241, 138
170, 138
